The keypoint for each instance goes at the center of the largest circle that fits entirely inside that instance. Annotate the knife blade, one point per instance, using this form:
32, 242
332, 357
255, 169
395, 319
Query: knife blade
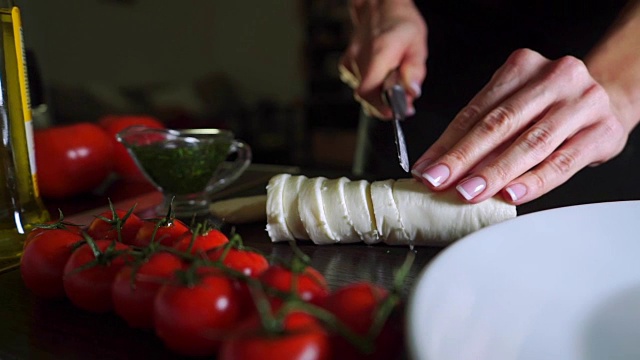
394, 96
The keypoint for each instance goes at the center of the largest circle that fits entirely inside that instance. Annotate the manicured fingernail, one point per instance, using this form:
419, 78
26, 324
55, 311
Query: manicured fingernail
437, 175
410, 110
516, 191
417, 90
472, 187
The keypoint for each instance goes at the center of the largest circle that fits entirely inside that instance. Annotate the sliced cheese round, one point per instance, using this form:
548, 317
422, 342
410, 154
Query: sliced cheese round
312, 213
333, 198
276, 223
290, 203
388, 220
357, 195
437, 218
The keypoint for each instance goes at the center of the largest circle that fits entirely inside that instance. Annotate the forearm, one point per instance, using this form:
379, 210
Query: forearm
615, 64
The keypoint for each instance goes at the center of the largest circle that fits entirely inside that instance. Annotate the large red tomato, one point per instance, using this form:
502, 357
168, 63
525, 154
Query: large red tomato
192, 319
43, 261
88, 277
356, 305
302, 337
72, 159
133, 297
113, 124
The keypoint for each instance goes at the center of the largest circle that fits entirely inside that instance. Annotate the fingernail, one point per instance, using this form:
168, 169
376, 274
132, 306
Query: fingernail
472, 187
410, 111
437, 175
516, 191
417, 89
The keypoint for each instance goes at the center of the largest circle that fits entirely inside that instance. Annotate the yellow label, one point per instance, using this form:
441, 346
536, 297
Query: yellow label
18, 41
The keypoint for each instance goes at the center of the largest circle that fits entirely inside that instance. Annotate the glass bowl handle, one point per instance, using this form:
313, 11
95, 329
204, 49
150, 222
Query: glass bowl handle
232, 170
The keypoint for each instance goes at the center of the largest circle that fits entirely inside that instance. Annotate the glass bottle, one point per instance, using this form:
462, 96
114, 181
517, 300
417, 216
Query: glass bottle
20, 204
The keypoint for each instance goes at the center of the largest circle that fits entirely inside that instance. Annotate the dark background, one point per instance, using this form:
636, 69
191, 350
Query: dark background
268, 70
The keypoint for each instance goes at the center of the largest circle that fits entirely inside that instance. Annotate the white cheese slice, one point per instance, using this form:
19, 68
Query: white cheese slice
438, 218
312, 211
357, 195
387, 215
290, 204
276, 223
335, 207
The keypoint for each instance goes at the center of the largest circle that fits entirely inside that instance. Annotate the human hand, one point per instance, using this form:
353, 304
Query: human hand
388, 34
533, 126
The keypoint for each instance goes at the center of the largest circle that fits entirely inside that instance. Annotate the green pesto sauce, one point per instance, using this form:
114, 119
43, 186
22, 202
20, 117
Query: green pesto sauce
180, 169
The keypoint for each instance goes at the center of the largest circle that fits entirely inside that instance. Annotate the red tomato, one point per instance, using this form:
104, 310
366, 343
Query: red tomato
356, 305
90, 288
52, 225
311, 285
72, 159
247, 262
192, 319
133, 299
113, 124
167, 233
99, 229
43, 261
303, 338
210, 239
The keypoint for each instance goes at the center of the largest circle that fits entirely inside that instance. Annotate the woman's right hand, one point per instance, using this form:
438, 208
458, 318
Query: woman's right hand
388, 34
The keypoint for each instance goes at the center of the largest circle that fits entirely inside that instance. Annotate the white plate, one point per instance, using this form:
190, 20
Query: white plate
557, 284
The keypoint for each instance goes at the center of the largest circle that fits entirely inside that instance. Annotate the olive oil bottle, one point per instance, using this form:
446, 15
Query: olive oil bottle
20, 204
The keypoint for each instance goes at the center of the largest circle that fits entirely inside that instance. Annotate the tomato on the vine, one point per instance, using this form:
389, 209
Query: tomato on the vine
133, 298
165, 231
356, 306
52, 225
105, 225
43, 261
123, 164
302, 337
194, 242
310, 285
88, 275
72, 159
191, 318
248, 262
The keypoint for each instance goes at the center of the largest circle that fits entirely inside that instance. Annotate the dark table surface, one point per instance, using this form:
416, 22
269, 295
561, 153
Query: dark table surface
33, 328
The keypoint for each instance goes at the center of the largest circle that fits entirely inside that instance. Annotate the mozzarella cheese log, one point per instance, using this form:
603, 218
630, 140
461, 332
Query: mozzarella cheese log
312, 212
398, 212
291, 189
357, 196
338, 220
386, 213
438, 218
276, 223
240, 210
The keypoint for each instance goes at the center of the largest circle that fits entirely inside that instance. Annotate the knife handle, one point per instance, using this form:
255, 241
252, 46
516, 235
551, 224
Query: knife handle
394, 95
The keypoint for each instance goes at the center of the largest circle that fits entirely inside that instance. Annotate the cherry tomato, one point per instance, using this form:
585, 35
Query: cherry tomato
303, 338
247, 262
200, 242
356, 305
72, 159
311, 285
43, 261
52, 225
99, 229
169, 230
88, 278
191, 319
113, 124
133, 299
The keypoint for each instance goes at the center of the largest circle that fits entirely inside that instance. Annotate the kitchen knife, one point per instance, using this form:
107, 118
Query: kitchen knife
394, 96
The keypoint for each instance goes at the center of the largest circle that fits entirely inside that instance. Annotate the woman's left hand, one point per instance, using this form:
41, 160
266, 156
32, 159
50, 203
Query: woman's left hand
533, 126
